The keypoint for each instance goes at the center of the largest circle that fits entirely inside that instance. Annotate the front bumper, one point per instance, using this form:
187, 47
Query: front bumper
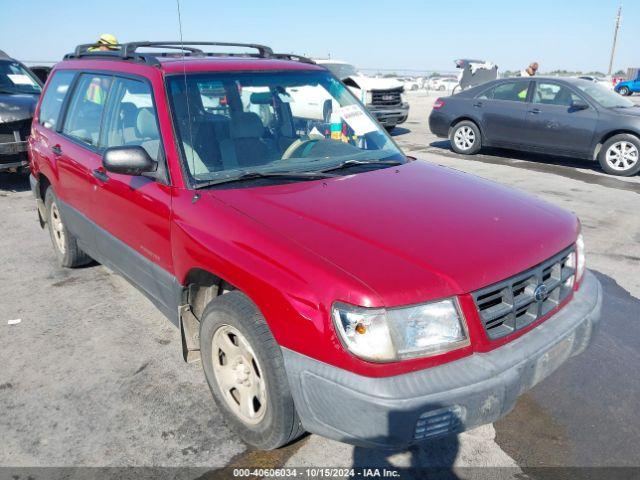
394, 412
13, 148
390, 116
439, 124
13, 155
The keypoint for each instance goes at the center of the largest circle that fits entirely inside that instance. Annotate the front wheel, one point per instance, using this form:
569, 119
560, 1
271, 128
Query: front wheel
625, 91
244, 368
619, 155
465, 138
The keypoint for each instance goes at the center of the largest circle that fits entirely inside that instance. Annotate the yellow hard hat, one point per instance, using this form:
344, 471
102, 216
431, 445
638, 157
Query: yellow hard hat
107, 40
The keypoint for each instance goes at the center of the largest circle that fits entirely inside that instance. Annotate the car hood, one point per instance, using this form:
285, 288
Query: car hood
15, 107
414, 232
370, 83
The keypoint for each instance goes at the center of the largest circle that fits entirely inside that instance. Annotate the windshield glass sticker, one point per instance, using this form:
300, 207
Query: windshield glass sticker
20, 79
357, 119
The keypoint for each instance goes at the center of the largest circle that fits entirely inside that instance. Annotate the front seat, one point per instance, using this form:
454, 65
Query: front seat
147, 133
245, 147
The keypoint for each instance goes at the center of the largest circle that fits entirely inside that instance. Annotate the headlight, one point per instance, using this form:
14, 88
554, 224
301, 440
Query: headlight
403, 97
368, 98
577, 261
582, 261
386, 335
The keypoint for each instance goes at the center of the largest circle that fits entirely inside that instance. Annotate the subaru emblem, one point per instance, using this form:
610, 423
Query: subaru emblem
541, 292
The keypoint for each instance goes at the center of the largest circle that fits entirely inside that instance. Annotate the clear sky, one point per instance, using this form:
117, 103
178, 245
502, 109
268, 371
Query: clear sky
391, 34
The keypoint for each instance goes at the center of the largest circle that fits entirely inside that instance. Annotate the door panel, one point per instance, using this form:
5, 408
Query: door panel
75, 153
555, 126
134, 211
503, 113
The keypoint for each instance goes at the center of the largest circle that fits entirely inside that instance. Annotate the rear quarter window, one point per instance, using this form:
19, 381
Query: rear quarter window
53, 98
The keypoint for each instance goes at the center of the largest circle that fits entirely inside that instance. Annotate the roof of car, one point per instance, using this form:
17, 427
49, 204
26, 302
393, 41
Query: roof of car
178, 57
195, 64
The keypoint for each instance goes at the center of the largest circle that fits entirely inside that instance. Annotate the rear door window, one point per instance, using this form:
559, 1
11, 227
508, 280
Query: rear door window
84, 116
53, 98
130, 118
510, 91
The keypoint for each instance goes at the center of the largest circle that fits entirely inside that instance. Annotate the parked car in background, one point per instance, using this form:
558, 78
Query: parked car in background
19, 92
431, 83
411, 84
606, 82
446, 84
383, 97
326, 281
628, 87
41, 71
569, 117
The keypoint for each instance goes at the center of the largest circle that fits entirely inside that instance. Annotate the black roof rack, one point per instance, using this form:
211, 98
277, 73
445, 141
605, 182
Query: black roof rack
129, 51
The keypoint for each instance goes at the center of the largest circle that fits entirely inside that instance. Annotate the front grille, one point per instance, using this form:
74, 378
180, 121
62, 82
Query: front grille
514, 303
386, 97
15, 131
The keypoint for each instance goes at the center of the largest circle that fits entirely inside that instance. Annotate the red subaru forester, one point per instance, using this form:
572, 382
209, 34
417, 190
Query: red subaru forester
327, 282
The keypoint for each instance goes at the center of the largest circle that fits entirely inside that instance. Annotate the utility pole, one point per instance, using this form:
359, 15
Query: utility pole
615, 39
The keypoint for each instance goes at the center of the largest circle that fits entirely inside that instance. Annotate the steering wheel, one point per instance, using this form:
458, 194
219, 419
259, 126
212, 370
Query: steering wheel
297, 144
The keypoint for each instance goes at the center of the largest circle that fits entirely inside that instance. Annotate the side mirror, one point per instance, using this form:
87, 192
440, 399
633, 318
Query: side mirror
579, 105
128, 160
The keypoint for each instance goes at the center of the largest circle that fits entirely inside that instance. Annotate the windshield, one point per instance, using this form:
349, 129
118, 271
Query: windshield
273, 123
14, 78
341, 70
605, 97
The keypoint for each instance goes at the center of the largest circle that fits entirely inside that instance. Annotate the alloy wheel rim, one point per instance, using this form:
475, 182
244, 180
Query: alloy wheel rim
238, 374
464, 138
58, 228
622, 156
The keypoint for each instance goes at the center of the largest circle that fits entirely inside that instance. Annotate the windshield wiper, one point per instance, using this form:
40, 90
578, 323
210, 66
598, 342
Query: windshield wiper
257, 175
350, 163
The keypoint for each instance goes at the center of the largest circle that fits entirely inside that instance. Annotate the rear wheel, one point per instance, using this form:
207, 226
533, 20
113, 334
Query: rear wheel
465, 138
620, 155
65, 244
625, 91
245, 371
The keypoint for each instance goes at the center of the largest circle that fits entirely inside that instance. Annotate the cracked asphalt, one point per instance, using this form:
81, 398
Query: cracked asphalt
92, 375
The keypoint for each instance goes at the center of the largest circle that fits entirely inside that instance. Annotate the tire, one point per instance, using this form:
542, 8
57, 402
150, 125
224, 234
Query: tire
273, 422
65, 243
624, 91
390, 128
465, 138
620, 155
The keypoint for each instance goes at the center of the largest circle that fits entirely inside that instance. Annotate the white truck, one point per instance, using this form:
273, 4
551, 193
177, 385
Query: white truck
383, 97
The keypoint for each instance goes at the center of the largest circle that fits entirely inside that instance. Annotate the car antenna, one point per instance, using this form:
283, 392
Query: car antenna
186, 94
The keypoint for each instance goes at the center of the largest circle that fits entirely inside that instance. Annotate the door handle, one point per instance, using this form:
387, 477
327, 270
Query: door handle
100, 175
477, 104
57, 150
535, 111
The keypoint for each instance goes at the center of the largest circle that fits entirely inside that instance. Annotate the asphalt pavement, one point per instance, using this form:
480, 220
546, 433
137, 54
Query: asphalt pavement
92, 374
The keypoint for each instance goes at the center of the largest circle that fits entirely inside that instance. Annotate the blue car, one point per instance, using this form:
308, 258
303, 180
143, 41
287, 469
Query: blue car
628, 87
